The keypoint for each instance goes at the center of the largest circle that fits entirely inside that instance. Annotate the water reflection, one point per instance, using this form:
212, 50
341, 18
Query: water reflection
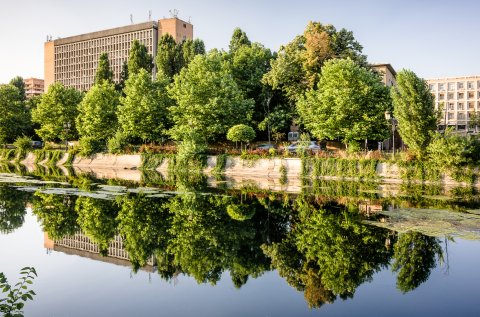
319, 241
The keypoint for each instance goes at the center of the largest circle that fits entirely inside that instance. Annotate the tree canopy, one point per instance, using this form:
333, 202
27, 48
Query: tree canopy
349, 103
413, 107
14, 115
104, 72
139, 58
208, 100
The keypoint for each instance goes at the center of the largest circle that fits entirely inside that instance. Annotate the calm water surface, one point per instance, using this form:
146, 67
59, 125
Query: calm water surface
188, 250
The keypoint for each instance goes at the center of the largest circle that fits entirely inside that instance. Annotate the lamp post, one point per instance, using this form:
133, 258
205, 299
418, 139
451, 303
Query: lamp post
394, 123
66, 126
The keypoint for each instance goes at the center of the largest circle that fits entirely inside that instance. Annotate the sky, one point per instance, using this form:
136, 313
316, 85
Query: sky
432, 38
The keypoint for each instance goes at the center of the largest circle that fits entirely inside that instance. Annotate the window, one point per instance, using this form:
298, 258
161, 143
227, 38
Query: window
460, 106
471, 115
461, 116
450, 95
471, 95
451, 106
461, 95
470, 85
184, 26
451, 116
451, 86
471, 105
432, 87
441, 97
441, 87
460, 85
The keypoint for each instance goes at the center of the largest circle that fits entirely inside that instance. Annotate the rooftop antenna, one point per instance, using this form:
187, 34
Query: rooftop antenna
173, 13
189, 18
149, 15
131, 18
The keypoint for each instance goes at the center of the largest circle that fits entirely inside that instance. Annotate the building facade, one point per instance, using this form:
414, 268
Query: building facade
33, 87
73, 60
458, 98
387, 72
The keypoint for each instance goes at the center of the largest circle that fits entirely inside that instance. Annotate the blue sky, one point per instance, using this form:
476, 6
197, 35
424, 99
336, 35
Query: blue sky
433, 38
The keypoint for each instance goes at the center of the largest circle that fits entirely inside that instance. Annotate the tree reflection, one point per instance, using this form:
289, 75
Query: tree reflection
414, 257
12, 208
56, 214
97, 219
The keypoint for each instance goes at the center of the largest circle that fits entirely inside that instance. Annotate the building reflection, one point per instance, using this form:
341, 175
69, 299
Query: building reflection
79, 244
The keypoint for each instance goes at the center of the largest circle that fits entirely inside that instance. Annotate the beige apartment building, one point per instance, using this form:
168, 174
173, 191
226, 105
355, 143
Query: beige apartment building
387, 72
459, 101
73, 60
33, 87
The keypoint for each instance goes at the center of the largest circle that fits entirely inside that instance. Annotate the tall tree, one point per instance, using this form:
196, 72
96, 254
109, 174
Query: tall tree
239, 38
190, 49
139, 58
413, 107
299, 62
208, 101
20, 84
167, 59
104, 72
58, 107
143, 111
14, 115
123, 77
97, 112
349, 103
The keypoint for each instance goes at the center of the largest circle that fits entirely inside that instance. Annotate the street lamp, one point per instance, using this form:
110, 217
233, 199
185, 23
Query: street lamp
394, 123
66, 127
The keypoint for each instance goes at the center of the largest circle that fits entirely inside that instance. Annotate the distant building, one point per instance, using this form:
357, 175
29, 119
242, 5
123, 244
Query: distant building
73, 60
459, 101
33, 87
388, 73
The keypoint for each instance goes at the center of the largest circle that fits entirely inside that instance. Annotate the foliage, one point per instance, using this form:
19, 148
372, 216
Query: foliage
117, 143
447, 150
139, 58
241, 133
90, 145
56, 214
143, 111
11, 306
57, 108
349, 103
239, 39
414, 109
300, 62
14, 118
283, 174
97, 219
343, 167
20, 84
48, 157
208, 101
23, 144
221, 164
150, 161
104, 72
97, 112
414, 258
12, 209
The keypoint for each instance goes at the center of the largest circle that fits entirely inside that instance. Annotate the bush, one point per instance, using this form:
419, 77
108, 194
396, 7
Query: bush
23, 144
447, 150
89, 146
241, 133
117, 143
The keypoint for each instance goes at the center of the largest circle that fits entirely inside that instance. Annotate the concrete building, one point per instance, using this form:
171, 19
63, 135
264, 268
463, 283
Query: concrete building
459, 101
388, 73
73, 60
33, 87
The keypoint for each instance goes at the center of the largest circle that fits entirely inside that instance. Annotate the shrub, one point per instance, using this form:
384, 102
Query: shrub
241, 133
23, 144
117, 143
89, 146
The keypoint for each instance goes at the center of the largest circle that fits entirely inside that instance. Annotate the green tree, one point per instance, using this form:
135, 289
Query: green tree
190, 49
241, 133
123, 77
97, 112
139, 58
14, 115
239, 39
414, 109
20, 84
167, 59
414, 258
208, 101
349, 103
299, 63
104, 72
143, 111
13, 205
59, 106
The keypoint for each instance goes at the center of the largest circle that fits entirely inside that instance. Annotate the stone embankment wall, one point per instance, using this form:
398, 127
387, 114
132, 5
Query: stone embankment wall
269, 170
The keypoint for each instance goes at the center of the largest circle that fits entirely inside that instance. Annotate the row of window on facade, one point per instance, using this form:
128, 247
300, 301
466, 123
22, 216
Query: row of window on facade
460, 116
461, 106
459, 95
455, 86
